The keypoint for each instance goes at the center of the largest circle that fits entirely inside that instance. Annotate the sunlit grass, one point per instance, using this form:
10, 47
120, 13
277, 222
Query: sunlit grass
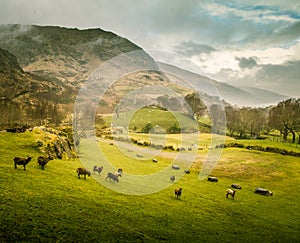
54, 205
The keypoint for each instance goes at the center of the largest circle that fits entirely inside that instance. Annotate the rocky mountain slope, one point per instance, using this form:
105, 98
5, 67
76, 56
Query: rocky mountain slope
24, 96
65, 56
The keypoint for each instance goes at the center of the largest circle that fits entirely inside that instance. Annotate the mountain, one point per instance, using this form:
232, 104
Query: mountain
264, 97
64, 55
24, 96
240, 96
16, 84
45, 66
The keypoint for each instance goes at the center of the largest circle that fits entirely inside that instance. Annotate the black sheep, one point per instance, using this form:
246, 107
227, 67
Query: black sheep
22, 161
83, 171
42, 161
264, 192
178, 192
212, 179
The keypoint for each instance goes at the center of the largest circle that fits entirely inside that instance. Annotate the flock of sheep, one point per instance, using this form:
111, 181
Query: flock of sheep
232, 192
112, 176
43, 161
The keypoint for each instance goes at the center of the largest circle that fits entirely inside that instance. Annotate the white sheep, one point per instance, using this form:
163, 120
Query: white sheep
230, 192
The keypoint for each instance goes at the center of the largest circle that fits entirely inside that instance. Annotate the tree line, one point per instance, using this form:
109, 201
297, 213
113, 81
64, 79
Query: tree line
37, 111
251, 122
284, 117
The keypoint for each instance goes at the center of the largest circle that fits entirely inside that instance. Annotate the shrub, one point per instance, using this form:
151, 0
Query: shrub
147, 128
174, 129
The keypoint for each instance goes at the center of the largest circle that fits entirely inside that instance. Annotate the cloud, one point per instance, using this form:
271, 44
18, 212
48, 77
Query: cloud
190, 48
283, 78
246, 62
256, 12
237, 41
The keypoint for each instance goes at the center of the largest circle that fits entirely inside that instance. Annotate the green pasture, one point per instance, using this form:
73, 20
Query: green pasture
136, 120
53, 205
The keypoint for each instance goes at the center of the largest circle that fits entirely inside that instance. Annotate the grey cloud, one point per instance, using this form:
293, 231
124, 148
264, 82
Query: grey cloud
146, 23
246, 62
283, 79
190, 48
278, 35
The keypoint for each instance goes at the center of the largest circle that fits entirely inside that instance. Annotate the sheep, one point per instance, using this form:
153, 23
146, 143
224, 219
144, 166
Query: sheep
230, 192
264, 192
212, 179
154, 160
120, 171
42, 161
97, 169
236, 186
187, 171
83, 171
178, 192
175, 167
113, 177
172, 178
22, 161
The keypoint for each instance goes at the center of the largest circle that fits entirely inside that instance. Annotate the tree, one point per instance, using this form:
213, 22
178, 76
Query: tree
257, 121
245, 121
163, 101
217, 116
147, 128
174, 129
196, 104
231, 119
285, 118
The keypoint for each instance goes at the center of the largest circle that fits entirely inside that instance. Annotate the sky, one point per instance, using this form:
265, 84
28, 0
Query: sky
246, 43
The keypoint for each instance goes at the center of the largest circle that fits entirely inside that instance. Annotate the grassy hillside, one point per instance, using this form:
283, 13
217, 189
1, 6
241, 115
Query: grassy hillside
157, 117
54, 205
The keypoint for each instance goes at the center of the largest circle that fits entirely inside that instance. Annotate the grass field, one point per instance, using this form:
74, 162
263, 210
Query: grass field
136, 120
53, 205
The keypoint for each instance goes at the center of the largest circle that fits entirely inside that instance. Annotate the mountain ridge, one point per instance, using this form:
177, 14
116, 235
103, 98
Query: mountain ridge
235, 95
69, 55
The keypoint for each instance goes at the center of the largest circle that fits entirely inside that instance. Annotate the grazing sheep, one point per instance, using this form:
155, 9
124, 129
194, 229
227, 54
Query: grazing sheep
175, 167
187, 171
236, 186
42, 161
119, 172
113, 177
22, 161
178, 192
264, 192
230, 192
83, 171
97, 169
172, 178
212, 179
154, 160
